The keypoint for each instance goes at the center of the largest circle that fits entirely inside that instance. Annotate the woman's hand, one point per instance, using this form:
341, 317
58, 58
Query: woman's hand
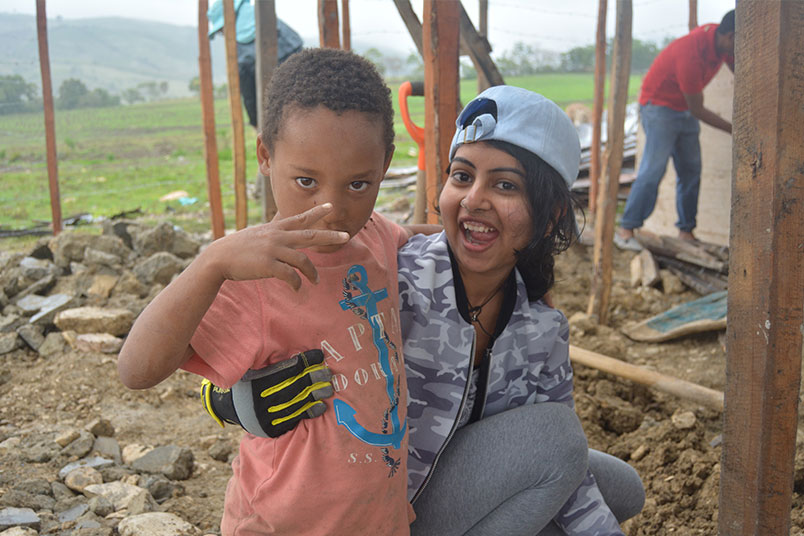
272, 249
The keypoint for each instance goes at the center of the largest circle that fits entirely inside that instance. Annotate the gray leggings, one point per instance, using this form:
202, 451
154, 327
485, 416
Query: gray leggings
510, 474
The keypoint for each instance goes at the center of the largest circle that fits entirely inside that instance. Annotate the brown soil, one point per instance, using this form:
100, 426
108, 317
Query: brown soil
679, 466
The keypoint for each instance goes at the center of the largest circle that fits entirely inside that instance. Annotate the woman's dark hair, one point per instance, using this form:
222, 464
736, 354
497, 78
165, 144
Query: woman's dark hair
336, 79
552, 209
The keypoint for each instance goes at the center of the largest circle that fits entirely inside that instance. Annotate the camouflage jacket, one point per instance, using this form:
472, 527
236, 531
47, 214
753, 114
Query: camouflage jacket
529, 364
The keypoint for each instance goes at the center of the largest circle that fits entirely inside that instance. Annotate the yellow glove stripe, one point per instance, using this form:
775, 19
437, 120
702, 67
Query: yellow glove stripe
206, 388
289, 381
296, 413
299, 397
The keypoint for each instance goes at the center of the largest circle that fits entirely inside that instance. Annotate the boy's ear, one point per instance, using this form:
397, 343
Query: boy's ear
388, 160
263, 157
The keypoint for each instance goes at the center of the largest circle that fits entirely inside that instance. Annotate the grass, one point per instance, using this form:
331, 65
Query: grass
118, 159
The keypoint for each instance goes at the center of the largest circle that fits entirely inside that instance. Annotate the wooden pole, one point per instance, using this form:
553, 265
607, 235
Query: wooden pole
346, 30
607, 199
597, 107
50, 117
693, 23
766, 271
440, 44
483, 32
238, 139
661, 382
208, 117
267, 59
328, 24
478, 49
412, 23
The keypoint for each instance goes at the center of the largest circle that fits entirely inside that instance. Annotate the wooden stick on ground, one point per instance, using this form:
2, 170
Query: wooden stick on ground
656, 380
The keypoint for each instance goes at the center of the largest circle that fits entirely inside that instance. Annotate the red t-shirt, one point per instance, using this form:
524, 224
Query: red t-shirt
685, 66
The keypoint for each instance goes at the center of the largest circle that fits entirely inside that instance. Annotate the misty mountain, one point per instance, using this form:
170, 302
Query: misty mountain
109, 53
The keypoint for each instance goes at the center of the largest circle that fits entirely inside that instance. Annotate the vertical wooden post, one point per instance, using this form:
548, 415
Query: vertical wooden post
693, 23
328, 24
607, 199
440, 46
346, 30
208, 116
483, 30
238, 139
597, 107
766, 271
267, 59
50, 122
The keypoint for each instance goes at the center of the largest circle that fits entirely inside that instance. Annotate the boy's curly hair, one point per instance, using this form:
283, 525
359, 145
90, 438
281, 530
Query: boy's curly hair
336, 79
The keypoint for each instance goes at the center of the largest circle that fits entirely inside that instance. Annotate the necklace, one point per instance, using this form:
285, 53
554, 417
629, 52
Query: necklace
474, 311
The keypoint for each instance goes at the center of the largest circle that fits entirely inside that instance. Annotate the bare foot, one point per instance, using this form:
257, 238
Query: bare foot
687, 235
626, 233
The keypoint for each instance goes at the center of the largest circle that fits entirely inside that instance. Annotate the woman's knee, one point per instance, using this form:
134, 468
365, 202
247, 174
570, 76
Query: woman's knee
569, 438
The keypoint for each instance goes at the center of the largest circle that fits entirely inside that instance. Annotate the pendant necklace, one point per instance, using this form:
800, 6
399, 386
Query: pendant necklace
474, 311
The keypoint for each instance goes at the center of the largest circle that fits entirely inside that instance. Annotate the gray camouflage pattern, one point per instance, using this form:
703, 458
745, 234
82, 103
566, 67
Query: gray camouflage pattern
530, 364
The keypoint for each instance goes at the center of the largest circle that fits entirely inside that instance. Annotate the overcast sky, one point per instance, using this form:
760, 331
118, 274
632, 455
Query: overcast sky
547, 24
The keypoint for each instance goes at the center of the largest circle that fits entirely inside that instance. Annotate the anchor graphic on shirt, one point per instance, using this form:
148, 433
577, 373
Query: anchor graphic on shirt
344, 413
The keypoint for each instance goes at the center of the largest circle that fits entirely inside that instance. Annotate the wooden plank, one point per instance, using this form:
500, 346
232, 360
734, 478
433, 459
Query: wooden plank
483, 31
693, 22
766, 271
328, 24
607, 198
346, 30
478, 49
597, 107
208, 117
411, 23
440, 43
236, 110
661, 382
267, 59
50, 117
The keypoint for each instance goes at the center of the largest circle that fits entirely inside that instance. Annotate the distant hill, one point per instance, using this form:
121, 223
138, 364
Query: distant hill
110, 53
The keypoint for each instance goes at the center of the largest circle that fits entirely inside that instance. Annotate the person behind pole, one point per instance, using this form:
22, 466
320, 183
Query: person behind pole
287, 43
671, 106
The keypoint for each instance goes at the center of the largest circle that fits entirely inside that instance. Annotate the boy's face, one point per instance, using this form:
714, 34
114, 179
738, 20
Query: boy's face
320, 156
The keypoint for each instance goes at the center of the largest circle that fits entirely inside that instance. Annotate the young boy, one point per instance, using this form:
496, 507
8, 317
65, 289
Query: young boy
241, 305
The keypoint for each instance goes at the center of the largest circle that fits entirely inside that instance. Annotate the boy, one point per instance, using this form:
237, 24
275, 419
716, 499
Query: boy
241, 305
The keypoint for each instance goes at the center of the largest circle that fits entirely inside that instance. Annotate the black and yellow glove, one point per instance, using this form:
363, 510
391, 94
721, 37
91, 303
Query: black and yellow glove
271, 401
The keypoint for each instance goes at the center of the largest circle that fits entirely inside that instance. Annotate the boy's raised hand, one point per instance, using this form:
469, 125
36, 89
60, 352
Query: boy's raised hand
272, 249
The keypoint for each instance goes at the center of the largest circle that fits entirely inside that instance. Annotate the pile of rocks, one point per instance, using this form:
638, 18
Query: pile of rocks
86, 290
104, 490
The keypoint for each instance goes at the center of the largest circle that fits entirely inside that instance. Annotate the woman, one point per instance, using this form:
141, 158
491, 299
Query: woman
495, 446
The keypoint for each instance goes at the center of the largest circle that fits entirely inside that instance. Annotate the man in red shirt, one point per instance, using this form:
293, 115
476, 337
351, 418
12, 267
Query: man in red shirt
671, 104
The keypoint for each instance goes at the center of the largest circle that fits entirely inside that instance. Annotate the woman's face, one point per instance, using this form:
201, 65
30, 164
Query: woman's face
484, 209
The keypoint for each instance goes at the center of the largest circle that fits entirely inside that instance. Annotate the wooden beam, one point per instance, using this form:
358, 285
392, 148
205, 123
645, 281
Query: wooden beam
661, 382
50, 117
607, 199
478, 49
693, 22
328, 24
236, 109
411, 23
208, 117
766, 271
483, 31
440, 43
267, 59
346, 30
597, 107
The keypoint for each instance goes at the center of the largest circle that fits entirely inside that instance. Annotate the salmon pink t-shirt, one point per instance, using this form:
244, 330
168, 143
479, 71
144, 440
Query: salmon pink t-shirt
344, 473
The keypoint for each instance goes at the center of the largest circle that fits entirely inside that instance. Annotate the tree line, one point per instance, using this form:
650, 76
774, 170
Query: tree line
18, 96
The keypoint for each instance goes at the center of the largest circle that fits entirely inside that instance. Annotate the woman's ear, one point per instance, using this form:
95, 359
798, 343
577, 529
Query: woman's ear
263, 157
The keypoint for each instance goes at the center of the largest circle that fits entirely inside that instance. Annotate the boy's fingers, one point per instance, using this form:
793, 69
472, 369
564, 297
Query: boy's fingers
287, 274
307, 218
305, 238
300, 261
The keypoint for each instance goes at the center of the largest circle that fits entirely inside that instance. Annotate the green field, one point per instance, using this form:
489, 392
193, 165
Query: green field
113, 160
